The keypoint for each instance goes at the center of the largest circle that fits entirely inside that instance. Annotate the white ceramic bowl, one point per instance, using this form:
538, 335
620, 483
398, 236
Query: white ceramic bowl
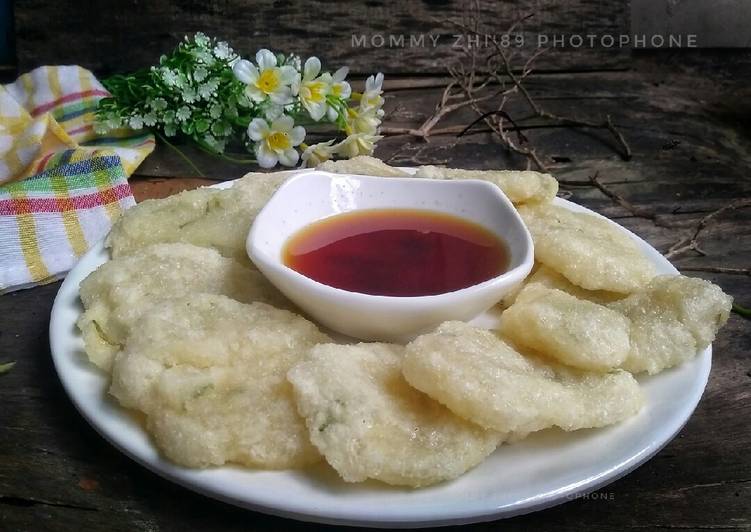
315, 195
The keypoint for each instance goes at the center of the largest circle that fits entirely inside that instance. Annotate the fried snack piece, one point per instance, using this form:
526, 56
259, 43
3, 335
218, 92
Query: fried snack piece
207, 217
519, 186
119, 291
590, 251
543, 276
369, 423
572, 331
209, 373
672, 319
482, 378
549, 278
362, 165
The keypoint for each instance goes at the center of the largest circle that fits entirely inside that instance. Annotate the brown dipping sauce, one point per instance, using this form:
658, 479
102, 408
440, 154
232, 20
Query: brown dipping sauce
396, 252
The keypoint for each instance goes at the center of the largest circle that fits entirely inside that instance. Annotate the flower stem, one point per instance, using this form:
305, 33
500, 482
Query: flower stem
180, 153
207, 149
235, 159
742, 311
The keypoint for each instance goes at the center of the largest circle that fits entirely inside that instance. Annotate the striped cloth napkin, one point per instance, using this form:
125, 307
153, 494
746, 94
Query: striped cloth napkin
61, 183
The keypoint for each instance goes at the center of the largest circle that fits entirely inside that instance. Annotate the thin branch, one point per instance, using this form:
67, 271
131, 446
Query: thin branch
639, 212
691, 242
442, 109
499, 69
716, 269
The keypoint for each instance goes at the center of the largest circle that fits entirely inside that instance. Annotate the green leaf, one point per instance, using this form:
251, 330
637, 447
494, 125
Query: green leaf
202, 125
6, 367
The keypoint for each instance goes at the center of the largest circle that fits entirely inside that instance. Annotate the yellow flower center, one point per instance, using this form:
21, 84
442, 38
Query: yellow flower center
315, 91
336, 89
268, 81
373, 101
278, 141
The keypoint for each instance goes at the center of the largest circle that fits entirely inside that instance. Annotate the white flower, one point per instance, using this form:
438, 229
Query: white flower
276, 143
339, 87
357, 144
317, 153
266, 80
364, 119
200, 73
135, 122
373, 90
313, 89
170, 130
222, 50
183, 113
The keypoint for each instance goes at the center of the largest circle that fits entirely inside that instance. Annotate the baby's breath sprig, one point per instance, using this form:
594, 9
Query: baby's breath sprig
205, 92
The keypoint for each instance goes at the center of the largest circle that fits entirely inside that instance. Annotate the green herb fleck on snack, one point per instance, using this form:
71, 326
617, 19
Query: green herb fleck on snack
6, 367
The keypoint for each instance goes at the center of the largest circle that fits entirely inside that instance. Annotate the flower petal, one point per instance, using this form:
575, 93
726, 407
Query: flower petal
297, 135
288, 75
266, 158
345, 90
374, 83
289, 157
273, 111
281, 96
283, 124
244, 70
315, 110
312, 68
258, 129
340, 74
254, 93
265, 59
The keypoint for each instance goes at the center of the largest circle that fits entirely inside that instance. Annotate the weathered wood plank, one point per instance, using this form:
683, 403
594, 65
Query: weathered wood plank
56, 473
120, 36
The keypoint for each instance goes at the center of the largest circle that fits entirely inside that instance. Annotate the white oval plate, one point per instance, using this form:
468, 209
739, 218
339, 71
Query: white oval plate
548, 468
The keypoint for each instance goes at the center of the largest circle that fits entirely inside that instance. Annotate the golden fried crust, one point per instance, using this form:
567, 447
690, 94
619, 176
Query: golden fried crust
484, 379
369, 423
209, 373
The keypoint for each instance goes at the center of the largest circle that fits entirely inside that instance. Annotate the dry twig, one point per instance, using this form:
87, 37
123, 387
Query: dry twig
716, 269
489, 84
691, 242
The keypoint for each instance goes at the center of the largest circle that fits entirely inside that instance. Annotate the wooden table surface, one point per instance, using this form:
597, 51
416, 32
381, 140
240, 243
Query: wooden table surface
687, 118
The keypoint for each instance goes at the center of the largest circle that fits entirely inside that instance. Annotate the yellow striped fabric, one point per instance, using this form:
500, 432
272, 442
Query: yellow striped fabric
61, 183
52, 109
